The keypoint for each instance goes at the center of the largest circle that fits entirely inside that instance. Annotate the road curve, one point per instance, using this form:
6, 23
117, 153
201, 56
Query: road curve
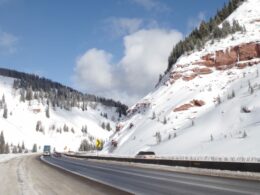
138, 180
27, 175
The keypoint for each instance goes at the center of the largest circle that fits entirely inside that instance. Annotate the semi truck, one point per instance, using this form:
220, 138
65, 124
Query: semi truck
47, 150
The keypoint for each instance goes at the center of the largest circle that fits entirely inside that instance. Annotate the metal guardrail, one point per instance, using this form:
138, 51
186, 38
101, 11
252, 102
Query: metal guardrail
217, 165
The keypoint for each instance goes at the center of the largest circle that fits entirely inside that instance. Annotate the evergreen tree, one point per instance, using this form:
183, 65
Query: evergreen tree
158, 137
226, 28
2, 143
108, 127
217, 33
19, 149
29, 94
3, 99
164, 120
204, 29
5, 114
38, 125
103, 125
23, 146
14, 150
84, 129
244, 134
22, 95
211, 137
47, 112
34, 149
154, 116
7, 149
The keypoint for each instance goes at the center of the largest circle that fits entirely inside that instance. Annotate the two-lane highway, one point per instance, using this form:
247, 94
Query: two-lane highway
152, 181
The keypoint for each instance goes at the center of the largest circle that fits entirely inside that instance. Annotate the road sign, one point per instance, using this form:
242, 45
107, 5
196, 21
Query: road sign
98, 143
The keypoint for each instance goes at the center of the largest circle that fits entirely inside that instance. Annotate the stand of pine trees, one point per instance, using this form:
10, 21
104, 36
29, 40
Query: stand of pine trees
206, 31
34, 87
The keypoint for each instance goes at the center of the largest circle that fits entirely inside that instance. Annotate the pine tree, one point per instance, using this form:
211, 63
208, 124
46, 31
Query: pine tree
3, 99
19, 148
244, 134
38, 125
211, 137
2, 142
14, 150
226, 28
34, 149
164, 120
5, 114
154, 116
23, 146
29, 94
103, 125
204, 29
158, 137
7, 149
22, 95
47, 112
108, 127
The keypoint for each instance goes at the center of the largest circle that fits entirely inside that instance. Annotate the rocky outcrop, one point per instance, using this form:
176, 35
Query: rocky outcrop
189, 77
193, 103
223, 60
237, 56
183, 107
249, 51
202, 70
198, 102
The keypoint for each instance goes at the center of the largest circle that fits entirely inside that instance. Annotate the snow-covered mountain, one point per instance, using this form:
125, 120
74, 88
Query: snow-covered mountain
27, 121
207, 104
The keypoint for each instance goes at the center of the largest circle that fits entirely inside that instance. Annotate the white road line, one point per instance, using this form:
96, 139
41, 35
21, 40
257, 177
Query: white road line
160, 178
87, 177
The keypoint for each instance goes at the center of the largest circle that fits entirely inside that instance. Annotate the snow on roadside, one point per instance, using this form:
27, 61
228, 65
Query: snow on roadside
7, 157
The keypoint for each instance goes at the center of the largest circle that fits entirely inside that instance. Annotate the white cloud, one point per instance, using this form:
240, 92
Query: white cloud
154, 5
195, 22
123, 26
93, 71
146, 54
7, 42
145, 57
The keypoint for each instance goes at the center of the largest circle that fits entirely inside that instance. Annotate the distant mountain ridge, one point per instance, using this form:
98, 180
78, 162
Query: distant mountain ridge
37, 83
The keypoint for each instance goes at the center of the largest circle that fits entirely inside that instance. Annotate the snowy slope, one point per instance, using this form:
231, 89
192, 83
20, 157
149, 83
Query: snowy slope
207, 129
20, 125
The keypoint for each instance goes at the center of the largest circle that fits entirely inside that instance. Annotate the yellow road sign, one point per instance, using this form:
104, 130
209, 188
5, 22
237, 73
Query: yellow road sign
98, 143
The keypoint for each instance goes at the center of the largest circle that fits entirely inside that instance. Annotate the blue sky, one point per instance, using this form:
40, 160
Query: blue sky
93, 45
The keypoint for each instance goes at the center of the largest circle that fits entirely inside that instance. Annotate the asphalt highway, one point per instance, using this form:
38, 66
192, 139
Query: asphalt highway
139, 180
27, 175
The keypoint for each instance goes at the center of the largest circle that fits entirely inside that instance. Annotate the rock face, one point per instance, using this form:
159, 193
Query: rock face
249, 51
227, 59
193, 103
238, 56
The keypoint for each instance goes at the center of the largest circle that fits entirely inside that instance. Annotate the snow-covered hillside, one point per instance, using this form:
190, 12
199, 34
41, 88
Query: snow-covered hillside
22, 118
208, 103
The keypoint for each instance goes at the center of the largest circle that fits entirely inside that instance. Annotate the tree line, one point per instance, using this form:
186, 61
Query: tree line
33, 87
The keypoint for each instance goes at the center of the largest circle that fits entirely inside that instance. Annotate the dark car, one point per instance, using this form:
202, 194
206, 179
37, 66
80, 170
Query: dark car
57, 154
145, 154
